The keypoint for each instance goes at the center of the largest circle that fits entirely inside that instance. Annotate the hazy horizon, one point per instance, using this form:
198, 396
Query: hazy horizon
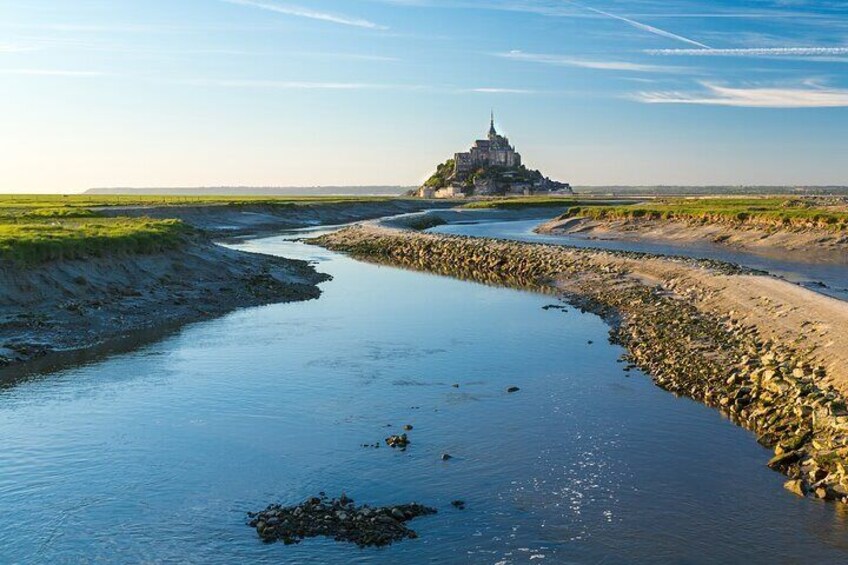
100, 93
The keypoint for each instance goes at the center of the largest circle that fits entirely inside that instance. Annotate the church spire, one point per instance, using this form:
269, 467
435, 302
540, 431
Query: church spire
492, 131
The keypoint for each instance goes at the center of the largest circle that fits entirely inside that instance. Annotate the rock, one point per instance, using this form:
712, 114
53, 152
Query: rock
396, 441
513, 389
458, 504
784, 460
364, 526
795, 486
455, 385
446, 456
408, 427
822, 493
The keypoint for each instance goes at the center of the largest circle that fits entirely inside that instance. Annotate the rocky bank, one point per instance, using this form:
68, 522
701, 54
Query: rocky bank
682, 321
76, 306
799, 244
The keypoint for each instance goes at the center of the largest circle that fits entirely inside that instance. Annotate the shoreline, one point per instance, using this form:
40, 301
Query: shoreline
64, 309
685, 323
801, 245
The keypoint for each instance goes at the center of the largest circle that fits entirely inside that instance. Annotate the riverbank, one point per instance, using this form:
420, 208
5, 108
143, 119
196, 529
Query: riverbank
769, 355
79, 292
805, 230
249, 218
78, 304
805, 245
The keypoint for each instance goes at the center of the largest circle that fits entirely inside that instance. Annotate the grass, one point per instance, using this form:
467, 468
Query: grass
59, 201
522, 202
40, 228
792, 213
518, 202
34, 241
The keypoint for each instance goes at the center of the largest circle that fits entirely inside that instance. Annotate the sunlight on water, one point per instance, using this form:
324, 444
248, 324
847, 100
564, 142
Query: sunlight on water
156, 455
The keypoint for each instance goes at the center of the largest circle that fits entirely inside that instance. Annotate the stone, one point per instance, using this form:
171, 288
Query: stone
513, 389
446, 456
398, 441
364, 526
795, 486
782, 461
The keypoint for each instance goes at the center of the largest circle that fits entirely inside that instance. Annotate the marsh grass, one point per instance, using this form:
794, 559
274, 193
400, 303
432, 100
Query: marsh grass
33, 241
518, 202
59, 201
39, 228
792, 213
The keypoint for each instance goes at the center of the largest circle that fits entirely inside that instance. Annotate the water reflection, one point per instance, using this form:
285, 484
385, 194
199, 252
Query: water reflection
155, 455
824, 277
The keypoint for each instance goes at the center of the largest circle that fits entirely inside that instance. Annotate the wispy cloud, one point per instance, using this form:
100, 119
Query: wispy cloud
755, 52
566, 61
15, 48
488, 90
641, 26
301, 12
337, 56
51, 72
295, 85
811, 96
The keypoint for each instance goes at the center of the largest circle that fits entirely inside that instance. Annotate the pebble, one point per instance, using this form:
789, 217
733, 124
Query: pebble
770, 388
398, 441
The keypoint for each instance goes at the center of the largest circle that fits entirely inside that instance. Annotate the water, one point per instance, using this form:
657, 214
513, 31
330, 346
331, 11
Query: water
830, 278
156, 455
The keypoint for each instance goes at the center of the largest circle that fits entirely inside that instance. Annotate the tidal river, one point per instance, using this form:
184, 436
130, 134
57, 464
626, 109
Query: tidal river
825, 277
157, 454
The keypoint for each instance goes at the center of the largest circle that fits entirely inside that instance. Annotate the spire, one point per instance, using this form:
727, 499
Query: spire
492, 132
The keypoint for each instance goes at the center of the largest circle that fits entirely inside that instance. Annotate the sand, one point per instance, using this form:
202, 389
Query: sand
808, 245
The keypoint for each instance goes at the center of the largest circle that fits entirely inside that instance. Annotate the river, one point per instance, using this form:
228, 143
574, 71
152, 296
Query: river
155, 455
830, 278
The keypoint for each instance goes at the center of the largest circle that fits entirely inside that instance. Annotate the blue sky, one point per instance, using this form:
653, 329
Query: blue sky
357, 92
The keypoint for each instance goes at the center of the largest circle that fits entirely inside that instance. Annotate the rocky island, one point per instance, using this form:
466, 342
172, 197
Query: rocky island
491, 167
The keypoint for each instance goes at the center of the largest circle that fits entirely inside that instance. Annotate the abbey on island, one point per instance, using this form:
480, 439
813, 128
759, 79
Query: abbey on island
491, 167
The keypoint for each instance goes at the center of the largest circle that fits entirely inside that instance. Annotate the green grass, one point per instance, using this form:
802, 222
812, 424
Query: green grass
508, 203
59, 201
782, 213
39, 241
518, 202
40, 228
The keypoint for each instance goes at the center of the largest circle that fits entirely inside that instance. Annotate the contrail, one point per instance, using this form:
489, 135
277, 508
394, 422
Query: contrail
643, 27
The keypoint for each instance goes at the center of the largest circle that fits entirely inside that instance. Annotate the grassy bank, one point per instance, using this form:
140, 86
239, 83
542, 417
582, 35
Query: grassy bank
35, 228
524, 202
75, 201
28, 240
791, 213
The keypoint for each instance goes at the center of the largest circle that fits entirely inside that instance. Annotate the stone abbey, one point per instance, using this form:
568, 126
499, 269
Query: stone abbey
491, 167
493, 151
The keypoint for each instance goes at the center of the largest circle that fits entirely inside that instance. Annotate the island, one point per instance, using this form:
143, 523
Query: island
492, 167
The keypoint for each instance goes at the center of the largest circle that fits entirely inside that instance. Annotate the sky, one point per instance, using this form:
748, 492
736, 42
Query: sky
167, 93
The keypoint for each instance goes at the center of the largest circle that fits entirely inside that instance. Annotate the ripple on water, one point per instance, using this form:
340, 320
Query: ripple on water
156, 455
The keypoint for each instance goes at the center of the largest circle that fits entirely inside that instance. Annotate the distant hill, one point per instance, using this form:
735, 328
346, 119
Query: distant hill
259, 191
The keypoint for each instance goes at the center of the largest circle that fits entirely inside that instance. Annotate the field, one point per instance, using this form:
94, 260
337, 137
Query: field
100, 201
780, 213
38, 228
518, 202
